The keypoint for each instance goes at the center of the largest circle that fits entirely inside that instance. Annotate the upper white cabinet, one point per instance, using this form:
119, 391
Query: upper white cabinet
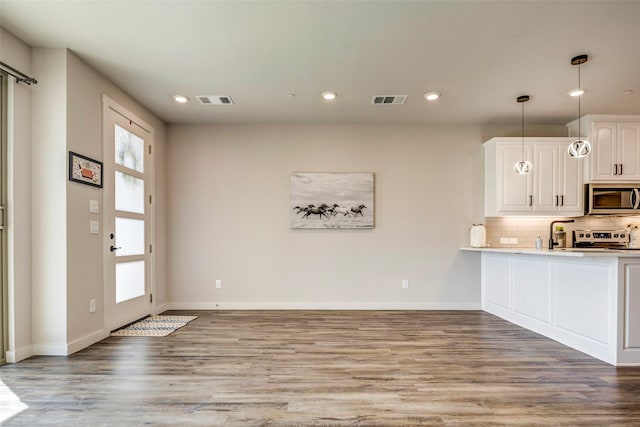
615, 142
553, 187
558, 184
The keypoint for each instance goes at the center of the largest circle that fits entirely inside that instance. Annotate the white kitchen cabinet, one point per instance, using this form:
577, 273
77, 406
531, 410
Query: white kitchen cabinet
553, 187
591, 304
558, 181
615, 144
496, 279
515, 190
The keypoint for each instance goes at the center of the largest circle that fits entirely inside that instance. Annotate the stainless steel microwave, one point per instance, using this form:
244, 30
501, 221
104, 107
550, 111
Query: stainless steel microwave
608, 199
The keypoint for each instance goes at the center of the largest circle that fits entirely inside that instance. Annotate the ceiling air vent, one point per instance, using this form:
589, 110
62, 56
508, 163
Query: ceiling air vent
214, 100
389, 99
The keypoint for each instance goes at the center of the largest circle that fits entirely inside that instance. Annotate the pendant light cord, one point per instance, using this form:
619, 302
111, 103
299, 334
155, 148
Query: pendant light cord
579, 96
522, 132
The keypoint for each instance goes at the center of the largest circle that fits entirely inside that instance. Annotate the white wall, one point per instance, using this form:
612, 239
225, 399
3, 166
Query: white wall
55, 266
16, 53
85, 251
49, 238
67, 259
228, 190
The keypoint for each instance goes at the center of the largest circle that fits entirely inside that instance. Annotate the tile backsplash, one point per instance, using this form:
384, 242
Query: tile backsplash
527, 229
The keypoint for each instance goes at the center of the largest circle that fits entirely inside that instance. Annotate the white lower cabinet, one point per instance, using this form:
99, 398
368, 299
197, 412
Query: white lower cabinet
583, 299
591, 304
496, 274
531, 289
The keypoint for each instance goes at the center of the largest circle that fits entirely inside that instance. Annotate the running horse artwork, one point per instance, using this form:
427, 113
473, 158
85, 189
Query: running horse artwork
331, 200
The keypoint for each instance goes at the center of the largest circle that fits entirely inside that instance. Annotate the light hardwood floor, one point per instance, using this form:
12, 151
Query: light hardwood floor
326, 368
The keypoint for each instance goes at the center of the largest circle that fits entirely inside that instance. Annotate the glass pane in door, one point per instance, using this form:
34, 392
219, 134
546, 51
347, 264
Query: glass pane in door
129, 150
129, 193
129, 236
129, 280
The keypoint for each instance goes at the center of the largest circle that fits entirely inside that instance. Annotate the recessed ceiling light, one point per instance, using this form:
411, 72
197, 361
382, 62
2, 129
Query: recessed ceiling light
577, 92
181, 99
329, 96
431, 96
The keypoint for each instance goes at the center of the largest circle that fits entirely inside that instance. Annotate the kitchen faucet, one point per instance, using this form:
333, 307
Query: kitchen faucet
551, 242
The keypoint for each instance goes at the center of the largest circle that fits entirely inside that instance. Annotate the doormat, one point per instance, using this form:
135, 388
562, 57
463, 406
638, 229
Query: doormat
154, 326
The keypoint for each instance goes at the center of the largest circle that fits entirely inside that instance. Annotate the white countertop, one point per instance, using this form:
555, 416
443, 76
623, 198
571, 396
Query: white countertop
571, 252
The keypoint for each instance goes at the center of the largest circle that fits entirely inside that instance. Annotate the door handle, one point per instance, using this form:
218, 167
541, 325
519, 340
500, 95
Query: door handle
556, 201
615, 172
635, 198
561, 200
530, 200
113, 248
620, 169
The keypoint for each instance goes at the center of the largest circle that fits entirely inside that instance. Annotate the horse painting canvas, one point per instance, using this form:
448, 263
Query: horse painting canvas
331, 200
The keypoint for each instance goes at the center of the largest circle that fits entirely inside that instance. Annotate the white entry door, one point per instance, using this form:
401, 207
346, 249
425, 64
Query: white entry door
127, 214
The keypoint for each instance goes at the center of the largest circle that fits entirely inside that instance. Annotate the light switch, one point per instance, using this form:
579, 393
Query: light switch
94, 206
94, 227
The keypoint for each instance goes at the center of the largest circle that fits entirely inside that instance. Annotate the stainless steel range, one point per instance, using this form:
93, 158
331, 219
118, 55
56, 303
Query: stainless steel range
609, 239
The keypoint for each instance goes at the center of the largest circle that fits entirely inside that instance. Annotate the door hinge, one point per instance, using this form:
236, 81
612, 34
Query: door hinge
150, 297
149, 149
150, 249
149, 198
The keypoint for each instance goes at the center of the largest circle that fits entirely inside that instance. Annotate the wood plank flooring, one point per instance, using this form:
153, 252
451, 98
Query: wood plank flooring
327, 368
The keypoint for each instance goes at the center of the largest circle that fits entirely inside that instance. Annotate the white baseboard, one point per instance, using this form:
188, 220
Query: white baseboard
19, 354
319, 306
50, 350
86, 341
69, 348
161, 308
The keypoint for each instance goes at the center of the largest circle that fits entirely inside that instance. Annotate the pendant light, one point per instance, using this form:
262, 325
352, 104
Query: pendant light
523, 166
580, 147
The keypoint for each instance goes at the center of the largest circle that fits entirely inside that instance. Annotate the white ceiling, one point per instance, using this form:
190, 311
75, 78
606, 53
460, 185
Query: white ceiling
479, 54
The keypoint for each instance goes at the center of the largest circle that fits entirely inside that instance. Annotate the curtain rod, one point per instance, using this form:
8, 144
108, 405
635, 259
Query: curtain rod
19, 75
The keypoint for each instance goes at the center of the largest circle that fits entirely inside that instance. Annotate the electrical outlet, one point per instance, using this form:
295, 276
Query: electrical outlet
405, 284
92, 306
504, 240
218, 284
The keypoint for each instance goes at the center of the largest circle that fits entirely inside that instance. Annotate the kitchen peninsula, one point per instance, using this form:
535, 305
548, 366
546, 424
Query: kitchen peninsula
586, 299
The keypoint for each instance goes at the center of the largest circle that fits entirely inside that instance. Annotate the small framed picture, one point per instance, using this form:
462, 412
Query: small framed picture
85, 170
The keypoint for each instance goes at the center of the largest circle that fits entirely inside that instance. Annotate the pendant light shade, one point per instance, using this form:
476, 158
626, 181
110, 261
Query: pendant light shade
523, 166
580, 147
